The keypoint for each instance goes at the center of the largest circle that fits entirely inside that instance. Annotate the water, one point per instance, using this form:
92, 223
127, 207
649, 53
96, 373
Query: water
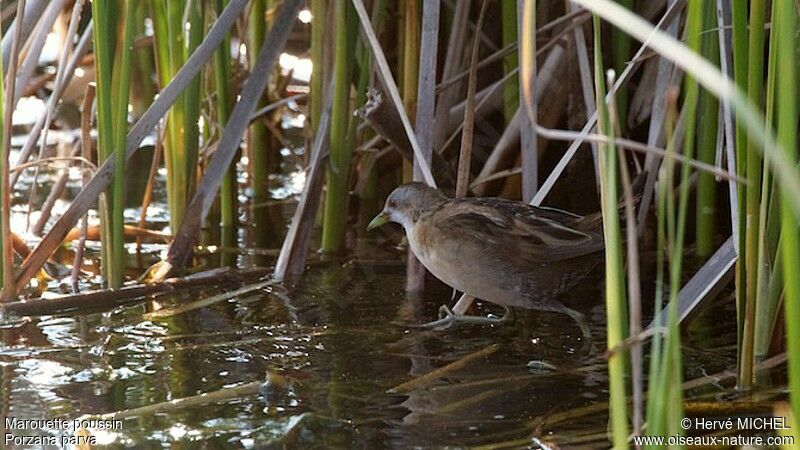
331, 348
311, 366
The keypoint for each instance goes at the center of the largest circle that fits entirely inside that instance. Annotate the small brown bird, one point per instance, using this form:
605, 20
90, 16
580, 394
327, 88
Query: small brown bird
502, 251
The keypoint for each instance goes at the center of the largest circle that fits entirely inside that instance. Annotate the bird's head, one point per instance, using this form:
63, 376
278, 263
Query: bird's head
407, 203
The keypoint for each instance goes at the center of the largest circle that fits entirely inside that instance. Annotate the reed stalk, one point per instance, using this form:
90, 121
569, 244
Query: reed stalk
621, 51
755, 85
228, 190
143, 88
122, 78
335, 212
262, 161
319, 13
410, 42
615, 290
785, 29
707, 146
664, 404
415, 272
664, 410
104, 39
739, 50
6, 258
191, 99
769, 220
508, 9
171, 54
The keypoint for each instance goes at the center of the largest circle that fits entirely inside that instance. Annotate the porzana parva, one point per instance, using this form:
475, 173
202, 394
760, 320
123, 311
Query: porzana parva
502, 251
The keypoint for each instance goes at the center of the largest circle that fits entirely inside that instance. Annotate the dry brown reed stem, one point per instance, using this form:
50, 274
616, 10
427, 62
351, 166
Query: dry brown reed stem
480, 106
587, 84
432, 376
206, 398
573, 136
206, 302
55, 193
54, 10
467, 135
58, 89
277, 104
426, 85
426, 108
169, 95
389, 84
108, 298
9, 289
292, 258
86, 152
670, 14
147, 197
576, 19
550, 111
452, 63
30, 50
633, 281
33, 11
634, 298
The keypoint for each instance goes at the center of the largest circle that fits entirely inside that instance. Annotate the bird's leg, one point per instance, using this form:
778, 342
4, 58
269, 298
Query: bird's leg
449, 318
459, 309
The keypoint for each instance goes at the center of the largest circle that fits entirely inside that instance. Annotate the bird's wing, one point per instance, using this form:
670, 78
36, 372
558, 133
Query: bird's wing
516, 230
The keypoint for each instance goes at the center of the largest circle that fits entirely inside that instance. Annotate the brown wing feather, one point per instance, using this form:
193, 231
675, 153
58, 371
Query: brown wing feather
520, 232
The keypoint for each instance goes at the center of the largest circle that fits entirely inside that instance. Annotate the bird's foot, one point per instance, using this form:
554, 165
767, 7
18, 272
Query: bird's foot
449, 319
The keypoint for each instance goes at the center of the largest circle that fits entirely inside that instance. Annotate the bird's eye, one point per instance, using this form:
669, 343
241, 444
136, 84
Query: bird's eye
391, 204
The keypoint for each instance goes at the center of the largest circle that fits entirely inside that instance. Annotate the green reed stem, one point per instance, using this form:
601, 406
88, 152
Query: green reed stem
261, 152
785, 29
510, 62
228, 190
670, 388
755, 84
739, 41
707, 146
122, 78
335, 214
319, 13
768, 217
621, 53
191, 99
222, 83
170, 40
104, 37
615, 290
